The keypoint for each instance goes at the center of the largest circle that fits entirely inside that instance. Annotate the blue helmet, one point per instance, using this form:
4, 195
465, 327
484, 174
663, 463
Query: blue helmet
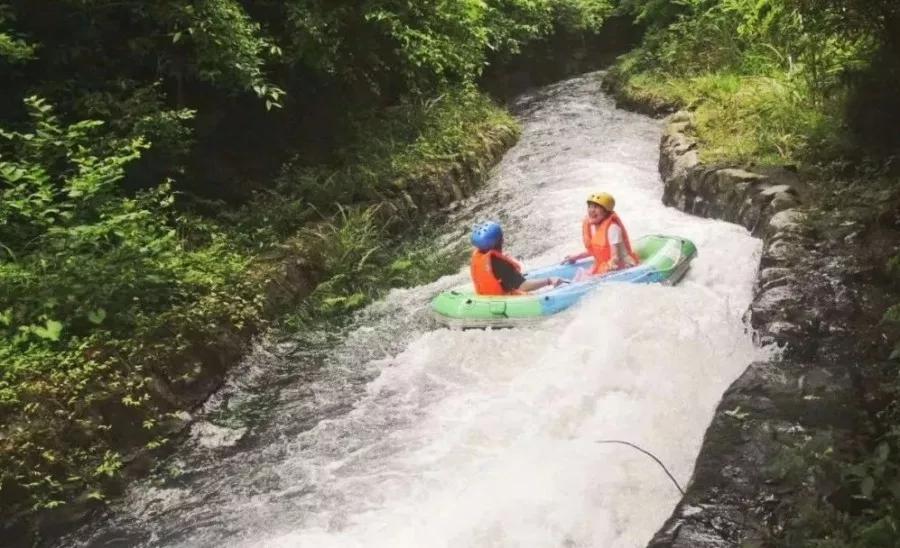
487, 235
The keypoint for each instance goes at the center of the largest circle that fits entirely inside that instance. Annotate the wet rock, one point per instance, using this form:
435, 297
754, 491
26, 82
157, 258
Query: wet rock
408, 199
776, 190
774, 301
804, 297
680, 116
788, 221
780, 330
774, 276
783, 200
457, 192
735, 176
780, 252
211, 436
737, 195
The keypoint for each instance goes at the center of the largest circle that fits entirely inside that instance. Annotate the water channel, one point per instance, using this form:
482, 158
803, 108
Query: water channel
399, 433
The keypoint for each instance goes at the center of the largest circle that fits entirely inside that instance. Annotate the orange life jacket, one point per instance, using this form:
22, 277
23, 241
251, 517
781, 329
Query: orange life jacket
486, 283
596, 242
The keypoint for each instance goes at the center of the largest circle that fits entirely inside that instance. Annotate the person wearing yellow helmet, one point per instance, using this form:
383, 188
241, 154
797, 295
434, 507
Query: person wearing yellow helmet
604, 237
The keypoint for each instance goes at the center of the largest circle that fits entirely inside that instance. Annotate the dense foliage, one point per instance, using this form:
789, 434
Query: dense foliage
96, 288
774, 81
196, 77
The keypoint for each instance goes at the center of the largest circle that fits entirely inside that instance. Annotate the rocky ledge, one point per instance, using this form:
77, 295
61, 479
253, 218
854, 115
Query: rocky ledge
817, 305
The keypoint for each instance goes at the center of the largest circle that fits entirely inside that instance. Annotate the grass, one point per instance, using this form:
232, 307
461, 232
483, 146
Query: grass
746, 119
366, 261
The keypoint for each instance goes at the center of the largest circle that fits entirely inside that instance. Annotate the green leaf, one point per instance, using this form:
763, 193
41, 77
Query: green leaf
51, 331
11, 173
355, 300
96, 317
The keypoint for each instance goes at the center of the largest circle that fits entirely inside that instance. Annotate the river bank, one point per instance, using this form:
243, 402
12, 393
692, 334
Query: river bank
792, 443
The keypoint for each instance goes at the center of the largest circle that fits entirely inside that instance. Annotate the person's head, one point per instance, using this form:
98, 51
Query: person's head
600, 205
487, 236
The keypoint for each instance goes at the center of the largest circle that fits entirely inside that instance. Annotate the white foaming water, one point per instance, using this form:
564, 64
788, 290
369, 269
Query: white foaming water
504, 450
417, 436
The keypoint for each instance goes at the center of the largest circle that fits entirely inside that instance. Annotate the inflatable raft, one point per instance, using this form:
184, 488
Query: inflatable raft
664, 260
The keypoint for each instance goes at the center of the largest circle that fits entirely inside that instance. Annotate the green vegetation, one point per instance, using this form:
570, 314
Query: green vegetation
746, 119
364, 261
97, 291
165, 165
807, 84
772, 82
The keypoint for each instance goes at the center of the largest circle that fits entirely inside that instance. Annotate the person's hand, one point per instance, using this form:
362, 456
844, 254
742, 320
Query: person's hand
569, 259
554, 282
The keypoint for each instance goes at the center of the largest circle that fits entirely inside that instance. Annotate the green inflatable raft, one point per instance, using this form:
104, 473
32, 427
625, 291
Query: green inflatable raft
664, 260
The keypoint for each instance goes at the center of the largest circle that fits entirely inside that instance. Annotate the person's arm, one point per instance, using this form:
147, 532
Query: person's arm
617, 260
511, 279
531, 285
617, 257
569, 259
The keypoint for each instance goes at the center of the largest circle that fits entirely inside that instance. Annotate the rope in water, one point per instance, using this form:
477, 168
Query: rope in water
649, 454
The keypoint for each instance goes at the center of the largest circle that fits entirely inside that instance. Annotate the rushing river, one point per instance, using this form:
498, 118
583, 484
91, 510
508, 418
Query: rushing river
397, 433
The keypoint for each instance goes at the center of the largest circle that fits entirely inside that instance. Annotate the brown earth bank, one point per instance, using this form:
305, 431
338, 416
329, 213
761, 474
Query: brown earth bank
819, 299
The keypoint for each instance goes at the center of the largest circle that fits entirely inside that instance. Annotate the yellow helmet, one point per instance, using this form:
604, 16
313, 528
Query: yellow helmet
602, 199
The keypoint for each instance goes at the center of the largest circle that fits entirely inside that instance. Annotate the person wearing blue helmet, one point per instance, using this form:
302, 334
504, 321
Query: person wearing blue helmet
494, 273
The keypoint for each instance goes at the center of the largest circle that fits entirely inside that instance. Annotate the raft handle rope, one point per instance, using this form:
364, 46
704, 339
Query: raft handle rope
649, 454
